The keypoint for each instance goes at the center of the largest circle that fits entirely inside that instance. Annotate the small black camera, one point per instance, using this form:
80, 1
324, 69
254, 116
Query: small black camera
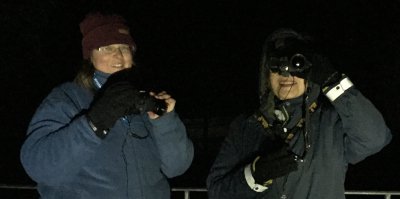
148, 103
143, 101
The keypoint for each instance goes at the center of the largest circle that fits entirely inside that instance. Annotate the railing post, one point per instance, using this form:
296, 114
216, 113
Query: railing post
387, 196
187, 194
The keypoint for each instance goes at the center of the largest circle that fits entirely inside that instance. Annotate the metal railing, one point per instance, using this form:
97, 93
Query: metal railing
187, 191
386, 194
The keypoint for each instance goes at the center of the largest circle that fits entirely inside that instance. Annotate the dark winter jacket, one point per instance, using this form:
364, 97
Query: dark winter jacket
67, 160
346, 131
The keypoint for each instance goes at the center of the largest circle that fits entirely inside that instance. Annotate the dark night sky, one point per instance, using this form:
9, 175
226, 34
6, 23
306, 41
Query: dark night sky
205, 53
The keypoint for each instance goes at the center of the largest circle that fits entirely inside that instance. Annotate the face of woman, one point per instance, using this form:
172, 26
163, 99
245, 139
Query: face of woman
287, 87
112, 58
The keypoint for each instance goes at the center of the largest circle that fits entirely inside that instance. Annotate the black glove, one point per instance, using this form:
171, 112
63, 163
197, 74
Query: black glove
274, 161
323, 72
140, 81
111, 103
118, 97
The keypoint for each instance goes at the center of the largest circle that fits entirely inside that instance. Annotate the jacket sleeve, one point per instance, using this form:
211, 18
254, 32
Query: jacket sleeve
365, 130
226, 179
175, 148
59, 140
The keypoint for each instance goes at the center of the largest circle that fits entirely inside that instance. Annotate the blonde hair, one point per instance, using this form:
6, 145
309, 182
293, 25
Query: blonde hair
84, 77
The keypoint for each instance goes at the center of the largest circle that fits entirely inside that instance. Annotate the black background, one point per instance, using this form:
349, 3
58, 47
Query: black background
206, 54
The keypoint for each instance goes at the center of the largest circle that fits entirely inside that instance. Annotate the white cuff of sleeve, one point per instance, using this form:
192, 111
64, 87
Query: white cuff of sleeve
339, 89
250, 180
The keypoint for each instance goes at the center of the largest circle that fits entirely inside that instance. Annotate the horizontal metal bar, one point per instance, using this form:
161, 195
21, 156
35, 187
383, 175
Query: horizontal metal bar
190, 189
394, 193
198, 189
7, 186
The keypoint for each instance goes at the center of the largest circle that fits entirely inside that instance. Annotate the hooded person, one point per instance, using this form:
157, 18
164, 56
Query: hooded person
309, 126
96, 137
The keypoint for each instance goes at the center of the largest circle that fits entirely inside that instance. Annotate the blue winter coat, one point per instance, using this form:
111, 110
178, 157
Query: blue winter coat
67, 160
345, 132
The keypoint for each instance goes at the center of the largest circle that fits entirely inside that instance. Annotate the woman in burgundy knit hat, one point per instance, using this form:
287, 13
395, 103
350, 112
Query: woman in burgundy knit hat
100, 136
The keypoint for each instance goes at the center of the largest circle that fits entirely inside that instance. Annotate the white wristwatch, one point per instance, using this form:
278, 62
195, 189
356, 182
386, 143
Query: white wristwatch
251, 182
339, 89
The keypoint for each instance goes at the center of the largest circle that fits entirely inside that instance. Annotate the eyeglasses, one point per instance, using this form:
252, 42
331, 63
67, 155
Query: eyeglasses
124, 49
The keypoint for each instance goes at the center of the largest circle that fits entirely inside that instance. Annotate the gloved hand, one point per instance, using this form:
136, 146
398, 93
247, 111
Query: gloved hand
274, 161
111, 102
322, 71
118, 97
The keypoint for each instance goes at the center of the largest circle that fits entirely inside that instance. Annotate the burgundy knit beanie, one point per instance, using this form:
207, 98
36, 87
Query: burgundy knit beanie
103, 30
